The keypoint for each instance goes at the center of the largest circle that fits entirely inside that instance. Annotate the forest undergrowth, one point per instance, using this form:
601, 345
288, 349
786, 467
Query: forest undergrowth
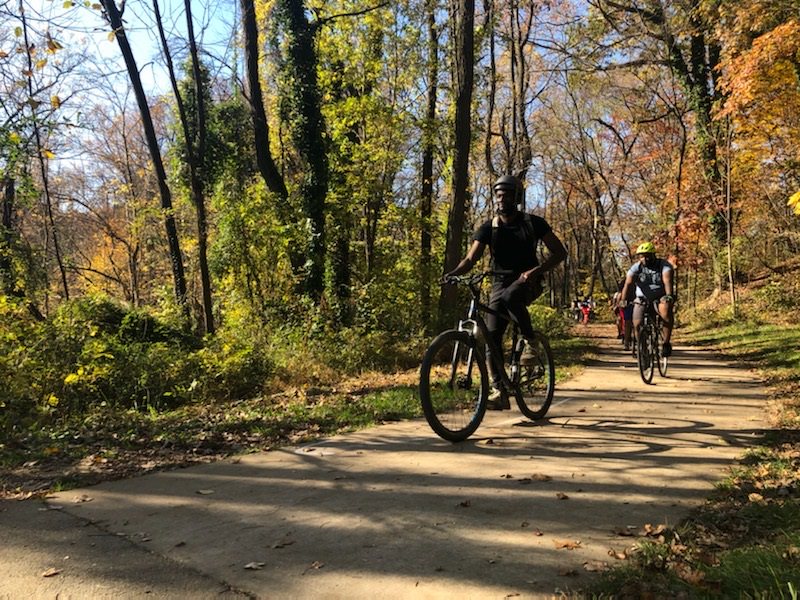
100, 392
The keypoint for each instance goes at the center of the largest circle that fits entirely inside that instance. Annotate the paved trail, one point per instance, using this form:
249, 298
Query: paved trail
521, 509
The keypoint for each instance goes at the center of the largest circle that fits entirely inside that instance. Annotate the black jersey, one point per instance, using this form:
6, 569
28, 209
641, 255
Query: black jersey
513, 245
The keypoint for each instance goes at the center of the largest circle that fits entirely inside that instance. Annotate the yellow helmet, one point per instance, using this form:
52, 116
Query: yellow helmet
646, 248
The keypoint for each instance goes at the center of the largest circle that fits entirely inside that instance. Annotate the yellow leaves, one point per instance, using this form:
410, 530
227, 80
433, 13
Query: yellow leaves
18, 31
40, 64
48, 154
55, 102
794, 202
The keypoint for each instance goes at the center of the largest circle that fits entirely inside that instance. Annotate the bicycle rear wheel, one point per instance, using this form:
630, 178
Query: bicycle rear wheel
645, 352
454, 385
535, 381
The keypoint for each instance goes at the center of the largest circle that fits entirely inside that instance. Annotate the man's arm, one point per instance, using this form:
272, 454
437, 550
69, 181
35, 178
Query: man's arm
623, 300
473, 255
667, 278
557, 255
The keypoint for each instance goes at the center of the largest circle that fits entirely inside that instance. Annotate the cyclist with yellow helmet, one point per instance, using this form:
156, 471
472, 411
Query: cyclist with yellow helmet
652, 278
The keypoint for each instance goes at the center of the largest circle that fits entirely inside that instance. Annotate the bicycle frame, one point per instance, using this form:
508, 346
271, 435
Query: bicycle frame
474, 323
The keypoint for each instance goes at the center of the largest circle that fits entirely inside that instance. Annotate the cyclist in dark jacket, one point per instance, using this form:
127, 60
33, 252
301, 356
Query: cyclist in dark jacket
652, 277
512, 237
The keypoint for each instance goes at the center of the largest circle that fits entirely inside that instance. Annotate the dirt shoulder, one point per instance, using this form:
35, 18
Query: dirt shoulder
522, 508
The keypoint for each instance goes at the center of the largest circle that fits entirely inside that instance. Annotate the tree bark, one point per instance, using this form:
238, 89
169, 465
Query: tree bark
464, 63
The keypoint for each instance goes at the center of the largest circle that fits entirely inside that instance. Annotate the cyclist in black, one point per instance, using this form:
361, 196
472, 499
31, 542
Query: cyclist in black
512, 237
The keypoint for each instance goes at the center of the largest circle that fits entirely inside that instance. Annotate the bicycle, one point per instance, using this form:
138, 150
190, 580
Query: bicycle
454, 382
650, 342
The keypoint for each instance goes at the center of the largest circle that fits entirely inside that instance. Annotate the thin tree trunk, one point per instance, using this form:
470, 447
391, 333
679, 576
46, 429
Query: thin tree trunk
488, 9
48, 202
194, 155
114, 18
255, 99
464, 49
426, 199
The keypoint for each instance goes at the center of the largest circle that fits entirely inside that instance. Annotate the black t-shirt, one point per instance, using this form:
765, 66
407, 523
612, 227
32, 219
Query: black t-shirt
516, 242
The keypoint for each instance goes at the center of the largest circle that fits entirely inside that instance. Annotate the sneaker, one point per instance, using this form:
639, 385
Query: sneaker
666, 350
497, 400
528, 357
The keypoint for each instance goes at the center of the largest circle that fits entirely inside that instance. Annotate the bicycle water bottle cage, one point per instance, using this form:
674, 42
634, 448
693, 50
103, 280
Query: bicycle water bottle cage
469, 326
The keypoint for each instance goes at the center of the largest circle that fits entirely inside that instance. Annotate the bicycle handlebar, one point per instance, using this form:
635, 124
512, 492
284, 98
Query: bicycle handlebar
474, 278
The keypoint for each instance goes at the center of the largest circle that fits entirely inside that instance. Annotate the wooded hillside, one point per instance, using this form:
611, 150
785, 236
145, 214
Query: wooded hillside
307, 170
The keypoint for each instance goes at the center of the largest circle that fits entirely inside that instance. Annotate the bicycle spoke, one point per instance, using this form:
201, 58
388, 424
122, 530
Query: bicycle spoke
535, 379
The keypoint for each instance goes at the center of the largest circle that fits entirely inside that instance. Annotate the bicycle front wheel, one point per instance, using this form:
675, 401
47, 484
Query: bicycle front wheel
454, 385
535, 377
661, 360
645, 353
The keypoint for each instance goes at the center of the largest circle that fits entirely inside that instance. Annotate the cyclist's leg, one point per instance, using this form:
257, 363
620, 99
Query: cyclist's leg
516, 298
637, 317
627, 313
665, 310
497, 327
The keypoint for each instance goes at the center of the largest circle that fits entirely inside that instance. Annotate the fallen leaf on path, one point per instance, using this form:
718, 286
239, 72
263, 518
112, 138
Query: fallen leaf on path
507, 476
51, 572
282, 544
541, 477
524, 524
562, 496
756, 498
465, 503
568, 573
568, 544
595, 565
617, 554
652, 530
204, 492
254, 566
83, 498
537, 532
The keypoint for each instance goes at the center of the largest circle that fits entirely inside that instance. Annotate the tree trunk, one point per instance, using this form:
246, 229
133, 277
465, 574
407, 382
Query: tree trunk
307, 124
114, 18
428, 146
464, 63
266, 165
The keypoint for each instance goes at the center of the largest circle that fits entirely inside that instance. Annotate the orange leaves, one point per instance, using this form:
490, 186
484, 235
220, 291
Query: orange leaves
764, 71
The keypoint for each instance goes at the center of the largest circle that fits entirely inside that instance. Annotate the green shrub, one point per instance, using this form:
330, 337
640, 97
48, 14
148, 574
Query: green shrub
550, 321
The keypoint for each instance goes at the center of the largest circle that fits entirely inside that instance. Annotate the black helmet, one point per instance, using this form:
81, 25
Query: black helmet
507, 182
